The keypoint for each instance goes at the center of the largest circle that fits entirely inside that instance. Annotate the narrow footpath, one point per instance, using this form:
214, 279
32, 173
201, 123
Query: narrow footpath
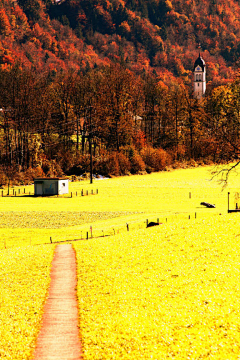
58, 338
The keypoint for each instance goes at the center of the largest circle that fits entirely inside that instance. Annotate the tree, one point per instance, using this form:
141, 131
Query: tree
115, 108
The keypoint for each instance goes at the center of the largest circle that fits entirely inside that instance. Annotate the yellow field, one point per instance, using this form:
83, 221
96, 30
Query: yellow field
165, 292
24, 280
132, 200
170, 292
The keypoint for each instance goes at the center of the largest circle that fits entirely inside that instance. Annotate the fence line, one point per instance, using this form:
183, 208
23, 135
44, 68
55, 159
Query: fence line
91, 233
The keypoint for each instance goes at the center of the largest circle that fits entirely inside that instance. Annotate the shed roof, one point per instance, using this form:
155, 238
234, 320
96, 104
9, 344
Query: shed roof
56, 178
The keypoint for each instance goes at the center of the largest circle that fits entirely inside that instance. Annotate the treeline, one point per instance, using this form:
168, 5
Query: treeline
52, 123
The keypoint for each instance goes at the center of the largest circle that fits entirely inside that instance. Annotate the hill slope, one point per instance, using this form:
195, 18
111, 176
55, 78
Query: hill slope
157, 34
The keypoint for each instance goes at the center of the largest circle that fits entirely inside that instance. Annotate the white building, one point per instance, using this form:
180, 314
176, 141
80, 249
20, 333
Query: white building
50, 186
199, 84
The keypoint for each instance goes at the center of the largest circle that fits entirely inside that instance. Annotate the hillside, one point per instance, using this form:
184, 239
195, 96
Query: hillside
161, 35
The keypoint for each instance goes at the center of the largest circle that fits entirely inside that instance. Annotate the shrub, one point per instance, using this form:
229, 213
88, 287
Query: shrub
124, 164
107, 164
156, 159
137, 164
52, 168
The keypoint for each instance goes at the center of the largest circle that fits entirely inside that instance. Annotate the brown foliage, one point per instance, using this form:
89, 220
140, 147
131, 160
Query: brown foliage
156, 159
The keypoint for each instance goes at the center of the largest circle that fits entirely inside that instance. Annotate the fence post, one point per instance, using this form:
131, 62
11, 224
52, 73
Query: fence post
18, 191
50, 239
82, 192
87, 236
87, 192
147, 222
97, 191
71, 194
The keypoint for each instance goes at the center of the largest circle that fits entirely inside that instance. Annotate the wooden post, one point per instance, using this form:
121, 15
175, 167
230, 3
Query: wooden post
92, 192
76, 193
82, 192
87, 192
189, 217
97, 191
18, 191
71, 194
50, 239
228, 200
24, 190
190, 195
15, 193
195, 215
127, 227
87, 236
166, 219
2, 193
147, 222
158, 220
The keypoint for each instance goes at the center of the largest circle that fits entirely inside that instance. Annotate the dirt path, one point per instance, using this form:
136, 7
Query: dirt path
59, 336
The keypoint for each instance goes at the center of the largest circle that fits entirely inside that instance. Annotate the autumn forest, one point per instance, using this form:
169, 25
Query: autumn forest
112, 81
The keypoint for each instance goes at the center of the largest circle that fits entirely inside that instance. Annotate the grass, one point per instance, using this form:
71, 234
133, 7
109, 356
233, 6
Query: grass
160, 293
170, 292
132, 200
24, 282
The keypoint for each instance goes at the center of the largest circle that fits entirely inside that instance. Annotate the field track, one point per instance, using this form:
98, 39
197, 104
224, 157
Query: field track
59, 336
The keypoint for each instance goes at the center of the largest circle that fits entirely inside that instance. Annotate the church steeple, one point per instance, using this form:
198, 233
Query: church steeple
199, 85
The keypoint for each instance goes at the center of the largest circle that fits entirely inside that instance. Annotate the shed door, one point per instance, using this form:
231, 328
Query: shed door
39, 188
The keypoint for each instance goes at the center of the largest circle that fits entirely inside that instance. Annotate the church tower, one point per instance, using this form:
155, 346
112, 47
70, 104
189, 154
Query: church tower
199, 85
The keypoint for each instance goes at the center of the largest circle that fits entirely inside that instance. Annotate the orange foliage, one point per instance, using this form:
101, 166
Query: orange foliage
5, 27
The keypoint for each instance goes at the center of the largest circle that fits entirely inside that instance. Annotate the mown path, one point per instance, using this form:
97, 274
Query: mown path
59, 335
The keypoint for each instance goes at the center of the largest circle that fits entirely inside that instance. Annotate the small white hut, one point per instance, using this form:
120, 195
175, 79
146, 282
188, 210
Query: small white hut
50, 186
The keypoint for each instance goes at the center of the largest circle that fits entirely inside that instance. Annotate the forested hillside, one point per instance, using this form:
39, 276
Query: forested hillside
158, 34
111, 81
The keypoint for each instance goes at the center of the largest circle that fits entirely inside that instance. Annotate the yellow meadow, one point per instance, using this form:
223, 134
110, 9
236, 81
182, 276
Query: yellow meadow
167, 292
24, 280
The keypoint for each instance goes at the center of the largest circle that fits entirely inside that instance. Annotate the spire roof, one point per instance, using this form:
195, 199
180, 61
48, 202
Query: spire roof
200, 62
